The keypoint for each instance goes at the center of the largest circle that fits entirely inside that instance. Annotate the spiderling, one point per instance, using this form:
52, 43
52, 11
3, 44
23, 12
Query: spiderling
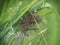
29, 22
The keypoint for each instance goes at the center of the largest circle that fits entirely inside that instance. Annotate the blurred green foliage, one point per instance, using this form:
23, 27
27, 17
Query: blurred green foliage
13, 10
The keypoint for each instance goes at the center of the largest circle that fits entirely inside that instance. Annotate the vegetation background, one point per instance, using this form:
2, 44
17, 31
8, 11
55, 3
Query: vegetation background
13, 10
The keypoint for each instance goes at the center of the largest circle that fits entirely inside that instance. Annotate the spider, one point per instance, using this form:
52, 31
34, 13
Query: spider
30, 22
